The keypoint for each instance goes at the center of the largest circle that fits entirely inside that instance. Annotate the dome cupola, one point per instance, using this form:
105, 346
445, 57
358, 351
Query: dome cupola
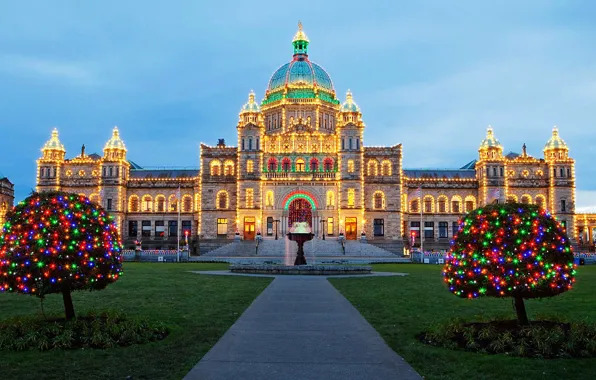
349, 105
490, 148
53, 148
556, 148
115, 148
251, 105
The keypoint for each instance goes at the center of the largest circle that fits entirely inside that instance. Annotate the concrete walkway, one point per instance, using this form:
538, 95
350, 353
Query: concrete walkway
301, 328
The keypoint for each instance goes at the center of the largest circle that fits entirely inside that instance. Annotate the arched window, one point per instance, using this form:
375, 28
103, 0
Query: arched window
541, 201
511, 198
373, 167
215, 166
269, 198
147, 203
94, 198
314, 164
386, 167
222, 201
250, 166
133, 203
250, 143
330, 198
350, 166
328, 164
456, 204
414, 206
172, 203
526, 199
272, 164
428, 203
470, 203
286, 164
442, 203
379, 200
351, 197
300, 166
160, 203
187, 203
229, 167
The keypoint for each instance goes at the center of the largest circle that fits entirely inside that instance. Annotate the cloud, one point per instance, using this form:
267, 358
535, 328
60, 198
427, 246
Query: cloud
585, 201
75, 73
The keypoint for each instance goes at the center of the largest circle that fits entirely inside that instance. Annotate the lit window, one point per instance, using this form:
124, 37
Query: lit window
379, 200
351, 197
222, 200
187, 204
222, 226
161, 203
269, 199
330, 199
147, 203
373, 167
300, 165
350, 166
442, 205
229, 167
386, 167
134, 204
249, 198
215, 166
250, 166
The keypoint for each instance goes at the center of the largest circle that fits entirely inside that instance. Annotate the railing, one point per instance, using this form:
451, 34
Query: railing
301, 175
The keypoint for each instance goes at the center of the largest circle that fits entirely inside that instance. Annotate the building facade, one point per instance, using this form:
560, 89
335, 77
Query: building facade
300, 155
6, 198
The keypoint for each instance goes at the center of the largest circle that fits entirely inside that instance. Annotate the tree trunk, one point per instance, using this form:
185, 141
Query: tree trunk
68, 307
520, 309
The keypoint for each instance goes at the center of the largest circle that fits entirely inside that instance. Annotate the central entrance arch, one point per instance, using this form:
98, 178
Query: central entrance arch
300, 210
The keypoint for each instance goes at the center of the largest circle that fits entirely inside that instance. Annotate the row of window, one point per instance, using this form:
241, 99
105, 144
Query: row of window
250, 144
373, 167
159, 228
429, 205
299, 165
147, 203
352, 143
47, 172
429, 229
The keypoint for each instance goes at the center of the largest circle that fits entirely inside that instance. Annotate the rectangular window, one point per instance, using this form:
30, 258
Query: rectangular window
249, 198
330, 226
146, 228
442, 205
109, 206
186, 227
104, 171
351, 197
257, 143
357, 144
379, 227
488, 172
350, 166
222, 227
133, 228
415, 228
494, 172
561, 172
343, 144
242, 143
455, 207
454, 228
414, 206
269, 225
350, 143
554, 172
117, 171
111, 171
173, 228
443, 229
501, 171
250, 166
568, 172
250, 143
429, 230
160, 228
563, 208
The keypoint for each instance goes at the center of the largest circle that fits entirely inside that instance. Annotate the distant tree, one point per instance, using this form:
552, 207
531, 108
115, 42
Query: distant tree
56, 242
510, 250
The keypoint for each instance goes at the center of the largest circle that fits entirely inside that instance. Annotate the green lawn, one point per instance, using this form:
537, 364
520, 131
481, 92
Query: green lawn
197, 309
401, 307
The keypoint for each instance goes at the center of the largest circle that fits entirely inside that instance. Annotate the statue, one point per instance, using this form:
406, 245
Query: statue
83, 151
524, 150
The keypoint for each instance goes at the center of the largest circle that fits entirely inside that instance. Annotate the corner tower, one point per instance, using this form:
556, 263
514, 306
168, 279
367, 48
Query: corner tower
50, 164
491, 170
114, 177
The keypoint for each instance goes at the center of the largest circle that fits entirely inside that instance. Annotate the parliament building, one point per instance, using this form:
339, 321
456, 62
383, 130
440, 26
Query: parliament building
301, 155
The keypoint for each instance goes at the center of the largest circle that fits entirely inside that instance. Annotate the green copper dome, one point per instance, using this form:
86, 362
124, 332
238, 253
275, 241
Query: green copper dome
349, 105
301, 77
555, 142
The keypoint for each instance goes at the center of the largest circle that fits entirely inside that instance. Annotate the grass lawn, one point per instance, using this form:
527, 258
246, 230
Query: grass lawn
198, 310
401, 307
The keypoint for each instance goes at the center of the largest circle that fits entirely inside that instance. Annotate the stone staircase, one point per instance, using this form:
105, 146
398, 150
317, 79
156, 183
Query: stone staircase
394, 246
209, 245
285, 248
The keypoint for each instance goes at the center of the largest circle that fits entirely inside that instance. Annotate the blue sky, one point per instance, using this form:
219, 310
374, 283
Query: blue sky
429, 74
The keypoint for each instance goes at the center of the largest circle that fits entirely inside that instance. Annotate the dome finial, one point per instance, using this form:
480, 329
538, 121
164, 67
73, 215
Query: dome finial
300, 42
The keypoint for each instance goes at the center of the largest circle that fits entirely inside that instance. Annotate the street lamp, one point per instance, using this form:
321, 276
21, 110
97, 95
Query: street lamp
323, 228
276, 222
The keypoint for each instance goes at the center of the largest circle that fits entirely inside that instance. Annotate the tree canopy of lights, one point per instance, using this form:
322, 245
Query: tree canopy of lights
56, 242
510, 250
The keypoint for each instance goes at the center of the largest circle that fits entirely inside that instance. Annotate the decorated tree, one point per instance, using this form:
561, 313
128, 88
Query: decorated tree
510, 250
56, 242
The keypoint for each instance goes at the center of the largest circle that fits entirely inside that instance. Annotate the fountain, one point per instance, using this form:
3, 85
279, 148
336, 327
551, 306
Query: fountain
300, 233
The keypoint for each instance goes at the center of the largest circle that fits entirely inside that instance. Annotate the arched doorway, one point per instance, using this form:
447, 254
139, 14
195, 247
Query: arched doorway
300, 210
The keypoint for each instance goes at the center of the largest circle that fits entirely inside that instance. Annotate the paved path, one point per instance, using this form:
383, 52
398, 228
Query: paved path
301, 328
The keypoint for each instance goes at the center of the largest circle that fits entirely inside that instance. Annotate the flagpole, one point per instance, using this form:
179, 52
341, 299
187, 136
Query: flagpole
421, 226
178, 226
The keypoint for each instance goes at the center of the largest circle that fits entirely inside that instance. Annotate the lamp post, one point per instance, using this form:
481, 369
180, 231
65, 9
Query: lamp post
323, 228
276, 223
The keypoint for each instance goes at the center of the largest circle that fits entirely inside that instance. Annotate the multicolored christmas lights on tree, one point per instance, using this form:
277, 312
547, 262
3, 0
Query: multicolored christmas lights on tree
56, 242
510, 250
